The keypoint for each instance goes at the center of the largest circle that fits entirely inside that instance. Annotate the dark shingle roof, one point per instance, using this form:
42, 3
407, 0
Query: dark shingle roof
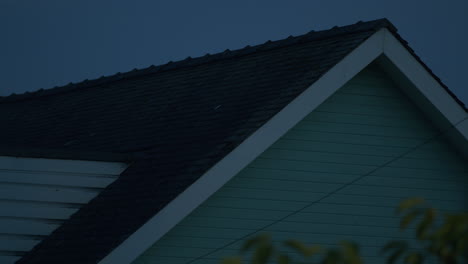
175, 120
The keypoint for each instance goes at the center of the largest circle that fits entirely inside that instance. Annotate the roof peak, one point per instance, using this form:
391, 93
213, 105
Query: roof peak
207, 58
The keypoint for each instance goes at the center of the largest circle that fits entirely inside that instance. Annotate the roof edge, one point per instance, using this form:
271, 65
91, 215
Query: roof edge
312, 35
424, 65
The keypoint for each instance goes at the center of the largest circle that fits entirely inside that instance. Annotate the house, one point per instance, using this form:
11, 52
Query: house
315, 137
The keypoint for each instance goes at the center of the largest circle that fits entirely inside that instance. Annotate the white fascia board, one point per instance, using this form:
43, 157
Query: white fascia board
247, 151
430, 88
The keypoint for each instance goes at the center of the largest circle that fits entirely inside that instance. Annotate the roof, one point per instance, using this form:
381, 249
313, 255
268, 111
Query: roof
175, 121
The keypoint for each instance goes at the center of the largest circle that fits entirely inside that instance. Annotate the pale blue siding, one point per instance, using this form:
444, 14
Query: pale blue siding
364, 125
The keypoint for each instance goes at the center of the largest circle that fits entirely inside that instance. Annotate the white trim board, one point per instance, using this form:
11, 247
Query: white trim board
380, 43
426, 92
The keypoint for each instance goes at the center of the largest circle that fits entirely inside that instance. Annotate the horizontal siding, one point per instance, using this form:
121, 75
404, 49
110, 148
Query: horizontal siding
9, 191
38, 195
68, 166
32, 209
316, 168
56, 179
18, 243
5, 257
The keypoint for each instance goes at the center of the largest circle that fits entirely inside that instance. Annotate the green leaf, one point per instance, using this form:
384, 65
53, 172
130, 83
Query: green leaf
396, 254
249, 244
409, 203
332, 257
351, 246
443, 230
232, 260
262, 254
398, 247
283, 259
306, 251
408, 218
414, 258
422, 229
462, 244
351, 252
461, 224
256, 241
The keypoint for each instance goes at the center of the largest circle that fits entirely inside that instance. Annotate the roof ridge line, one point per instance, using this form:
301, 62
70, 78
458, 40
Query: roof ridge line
205, 59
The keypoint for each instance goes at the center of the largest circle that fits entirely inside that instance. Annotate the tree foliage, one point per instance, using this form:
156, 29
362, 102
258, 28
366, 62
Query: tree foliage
447, 241
445, 238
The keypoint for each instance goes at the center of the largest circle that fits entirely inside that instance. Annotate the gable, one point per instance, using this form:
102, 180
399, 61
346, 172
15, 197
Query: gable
192, 125
320, 168
177, 120
382, 46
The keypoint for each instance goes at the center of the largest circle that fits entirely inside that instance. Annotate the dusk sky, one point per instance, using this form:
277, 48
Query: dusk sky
50, 43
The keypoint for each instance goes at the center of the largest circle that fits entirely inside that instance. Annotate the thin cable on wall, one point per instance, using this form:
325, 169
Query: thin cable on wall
443, 132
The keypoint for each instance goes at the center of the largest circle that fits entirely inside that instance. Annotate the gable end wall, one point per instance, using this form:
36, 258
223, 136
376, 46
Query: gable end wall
366, 124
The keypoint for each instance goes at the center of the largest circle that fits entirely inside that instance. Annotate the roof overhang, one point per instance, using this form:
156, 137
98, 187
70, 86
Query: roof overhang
383, 47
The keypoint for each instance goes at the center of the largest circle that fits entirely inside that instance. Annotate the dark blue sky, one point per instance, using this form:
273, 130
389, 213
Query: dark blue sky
53, 42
